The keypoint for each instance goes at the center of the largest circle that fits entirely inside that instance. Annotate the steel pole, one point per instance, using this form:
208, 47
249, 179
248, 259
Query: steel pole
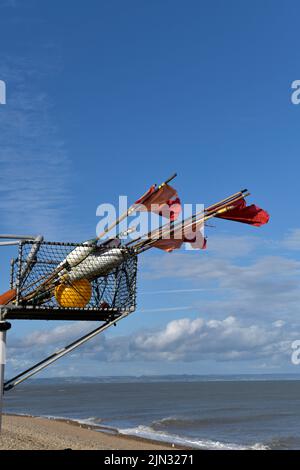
4, 327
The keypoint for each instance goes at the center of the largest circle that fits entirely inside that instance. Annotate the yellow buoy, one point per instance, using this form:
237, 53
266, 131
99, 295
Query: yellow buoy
76, 294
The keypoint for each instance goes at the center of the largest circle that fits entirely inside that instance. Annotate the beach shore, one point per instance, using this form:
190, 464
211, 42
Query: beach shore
34, 433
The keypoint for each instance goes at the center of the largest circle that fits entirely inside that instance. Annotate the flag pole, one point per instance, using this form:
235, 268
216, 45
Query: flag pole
4, 327
196, 223
208, 213
191, 221
133, 208
221, 203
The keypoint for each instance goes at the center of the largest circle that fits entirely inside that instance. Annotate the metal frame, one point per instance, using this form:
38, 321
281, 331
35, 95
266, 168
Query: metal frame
14, 312
11, 239
19, 311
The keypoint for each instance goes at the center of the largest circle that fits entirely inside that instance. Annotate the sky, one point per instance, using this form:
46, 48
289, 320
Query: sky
105, 99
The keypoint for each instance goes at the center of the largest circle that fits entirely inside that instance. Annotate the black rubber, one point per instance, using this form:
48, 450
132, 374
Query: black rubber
4, 325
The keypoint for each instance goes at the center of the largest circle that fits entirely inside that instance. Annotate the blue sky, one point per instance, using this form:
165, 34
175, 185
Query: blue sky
105, 98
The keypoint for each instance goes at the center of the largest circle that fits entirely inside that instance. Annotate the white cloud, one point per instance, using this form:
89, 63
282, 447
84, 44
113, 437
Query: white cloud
193, 340
182, 340
292, 240
58, 335
264, 288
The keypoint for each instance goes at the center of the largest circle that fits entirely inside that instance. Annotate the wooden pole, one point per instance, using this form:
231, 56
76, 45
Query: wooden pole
234, 197
159, 233
191, 221
133, 208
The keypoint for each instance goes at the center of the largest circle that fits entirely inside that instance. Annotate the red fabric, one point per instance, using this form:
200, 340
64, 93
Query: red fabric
164, 202
171, 244
192, 234
168, 245
8, 296
171, 209
161, 196
251, 215
182, 235
146, 195
198, 242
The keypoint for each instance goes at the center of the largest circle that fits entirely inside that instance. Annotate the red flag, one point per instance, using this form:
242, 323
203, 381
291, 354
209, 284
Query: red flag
164, 202
171, 209
168, 244
195, 237
171, 244
146, 195
251, 215
198, 242
192, 235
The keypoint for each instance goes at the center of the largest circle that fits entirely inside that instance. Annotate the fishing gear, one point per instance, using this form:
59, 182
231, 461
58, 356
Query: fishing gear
95, 259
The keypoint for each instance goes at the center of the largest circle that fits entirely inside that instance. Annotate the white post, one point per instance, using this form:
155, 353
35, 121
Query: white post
4, 326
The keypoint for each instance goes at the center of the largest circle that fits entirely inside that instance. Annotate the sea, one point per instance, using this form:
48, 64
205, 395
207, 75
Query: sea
237, 412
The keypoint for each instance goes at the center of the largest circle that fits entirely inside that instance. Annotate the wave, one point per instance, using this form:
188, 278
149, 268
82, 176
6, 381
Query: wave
180, 422
284, 443
147, 432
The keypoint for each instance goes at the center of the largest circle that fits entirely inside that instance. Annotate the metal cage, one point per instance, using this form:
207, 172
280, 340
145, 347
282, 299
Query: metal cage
109, 271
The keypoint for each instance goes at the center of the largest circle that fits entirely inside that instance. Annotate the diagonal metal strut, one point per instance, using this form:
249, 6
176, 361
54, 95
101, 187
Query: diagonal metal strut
58, 354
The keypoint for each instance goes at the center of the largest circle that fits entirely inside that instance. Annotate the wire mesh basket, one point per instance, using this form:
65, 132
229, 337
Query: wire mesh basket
55, 280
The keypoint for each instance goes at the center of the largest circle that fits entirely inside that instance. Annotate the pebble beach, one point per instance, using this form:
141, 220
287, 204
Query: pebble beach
30, 433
